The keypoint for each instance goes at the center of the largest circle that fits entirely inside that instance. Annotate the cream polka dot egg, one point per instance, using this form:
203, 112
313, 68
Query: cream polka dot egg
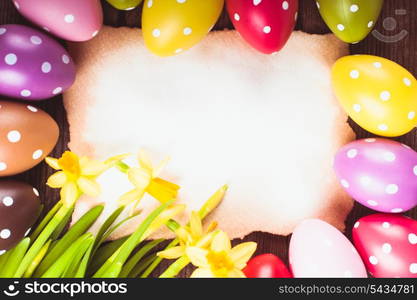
173, 26
377, 93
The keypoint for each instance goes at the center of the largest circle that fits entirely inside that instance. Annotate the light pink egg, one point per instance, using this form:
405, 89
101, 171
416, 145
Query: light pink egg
72, 20
317, 249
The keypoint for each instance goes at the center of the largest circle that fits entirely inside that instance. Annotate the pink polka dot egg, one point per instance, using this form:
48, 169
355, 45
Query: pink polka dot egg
387, 244
379, 173
74, 20
33, 66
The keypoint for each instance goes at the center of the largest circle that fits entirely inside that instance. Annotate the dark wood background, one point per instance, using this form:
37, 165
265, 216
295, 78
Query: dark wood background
403, 52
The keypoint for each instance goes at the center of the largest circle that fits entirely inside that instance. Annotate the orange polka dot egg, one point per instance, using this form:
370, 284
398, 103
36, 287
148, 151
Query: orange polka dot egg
377, 93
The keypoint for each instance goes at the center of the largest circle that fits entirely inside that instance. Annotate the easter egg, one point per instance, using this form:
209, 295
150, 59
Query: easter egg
317, 249
27, 136
378, 94
266, 266
350, 20
387, 244
379, 173
124, 4
33, 66
265, 24
19, 208
172, 26
75, 20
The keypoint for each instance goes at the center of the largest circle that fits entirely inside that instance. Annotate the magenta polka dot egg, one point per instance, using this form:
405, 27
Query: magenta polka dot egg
33, 66
74, 20
379, 173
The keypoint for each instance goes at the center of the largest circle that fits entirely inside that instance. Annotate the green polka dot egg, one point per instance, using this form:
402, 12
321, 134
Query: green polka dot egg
377, 93
350, 20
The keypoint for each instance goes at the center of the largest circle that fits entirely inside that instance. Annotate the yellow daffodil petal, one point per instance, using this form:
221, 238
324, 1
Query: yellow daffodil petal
114, 159
183, 235
145, 162
157, 171
163, 217
70, 163
93, 168
236, 273
241, 253
198, 257
206, 240
69, 193
213, 201
195, 225
139, 178
89, 187
53, 163
202, 273
221, 242
130, 197
172, 253
57, 180
162, 190
212, 226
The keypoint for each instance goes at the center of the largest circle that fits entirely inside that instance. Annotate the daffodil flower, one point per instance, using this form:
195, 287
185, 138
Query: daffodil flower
192, 235
145, 180
77, 175
221, 260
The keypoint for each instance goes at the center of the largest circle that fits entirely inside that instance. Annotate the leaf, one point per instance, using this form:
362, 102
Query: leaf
45, 221
79, 228
158, 260
15, 257
140, 267
175, 268
134, 260
37, 260
73, 265
64, 222
82, 268
103, 253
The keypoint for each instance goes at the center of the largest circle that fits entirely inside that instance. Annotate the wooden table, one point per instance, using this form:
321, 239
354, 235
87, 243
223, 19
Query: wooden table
403, 52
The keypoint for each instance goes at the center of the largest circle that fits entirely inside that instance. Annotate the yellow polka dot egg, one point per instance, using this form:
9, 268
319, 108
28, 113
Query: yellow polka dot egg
377, 93
173, 26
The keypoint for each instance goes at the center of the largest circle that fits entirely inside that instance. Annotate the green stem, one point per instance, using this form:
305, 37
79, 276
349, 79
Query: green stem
176, 267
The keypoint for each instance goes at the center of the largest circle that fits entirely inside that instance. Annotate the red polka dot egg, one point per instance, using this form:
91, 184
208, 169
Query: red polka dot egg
265, 24
387, 244
27, 136
33, 66
74, 20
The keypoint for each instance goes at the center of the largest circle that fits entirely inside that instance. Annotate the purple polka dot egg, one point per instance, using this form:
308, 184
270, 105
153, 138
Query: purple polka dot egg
379, 173
33, 66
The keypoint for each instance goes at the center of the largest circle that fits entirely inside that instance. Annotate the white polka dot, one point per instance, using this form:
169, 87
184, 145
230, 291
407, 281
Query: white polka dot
413, 268
412, 238
65, 59
377, 65
386, 225
383, 127
181, 1
267, 29
150, 3
411, 115
25, 93
32, 108
36, 192
407, 81
156, 32
354, 8
3, 166
373, 260
69, 18
391, 189
385, 96
347, 274
415, 170
356, 224
354, 74
285, 5
370, 24
372, 203
2, 30
389, 156
236, 16
2, 252
5, 234
340, 27
10, 59
187, 31
386, 248
365, 180
256, 2
46, 67
371, 140
344, 183
352, 153
357, 107
8, 201
14, 136
34, 39
57, 90
396, 210
37, 154
94, 34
